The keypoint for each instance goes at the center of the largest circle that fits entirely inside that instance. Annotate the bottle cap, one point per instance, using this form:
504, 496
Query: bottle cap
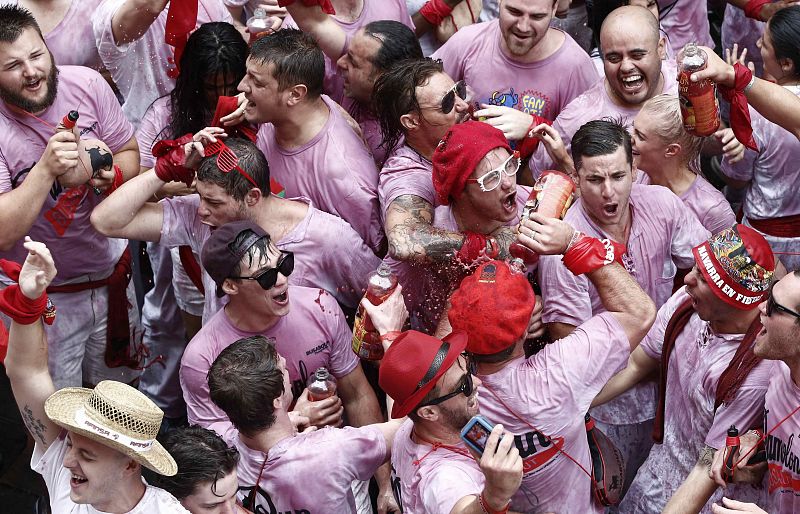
73, 116
733, 431
322, 374
260, 12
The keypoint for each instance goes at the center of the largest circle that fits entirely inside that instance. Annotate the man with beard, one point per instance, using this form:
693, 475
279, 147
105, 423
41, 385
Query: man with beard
51, 199
710, 379
518, 67
659, 233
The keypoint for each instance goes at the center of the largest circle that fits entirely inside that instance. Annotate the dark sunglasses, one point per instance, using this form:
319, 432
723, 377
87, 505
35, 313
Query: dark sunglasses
227, 161
773, 306
464, 386
449, 99
269, 277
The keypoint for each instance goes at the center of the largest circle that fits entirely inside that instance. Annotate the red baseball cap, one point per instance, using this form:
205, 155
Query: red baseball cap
414, 363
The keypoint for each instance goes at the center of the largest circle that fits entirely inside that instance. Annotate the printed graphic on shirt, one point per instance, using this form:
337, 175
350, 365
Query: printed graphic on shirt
263, 502
784, 466
537, 450
530, 101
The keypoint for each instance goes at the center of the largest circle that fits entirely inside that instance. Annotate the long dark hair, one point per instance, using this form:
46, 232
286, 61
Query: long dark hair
213, 49
784, 30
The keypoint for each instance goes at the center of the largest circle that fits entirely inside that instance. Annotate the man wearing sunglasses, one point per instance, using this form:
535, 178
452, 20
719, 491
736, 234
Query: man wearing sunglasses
702, 343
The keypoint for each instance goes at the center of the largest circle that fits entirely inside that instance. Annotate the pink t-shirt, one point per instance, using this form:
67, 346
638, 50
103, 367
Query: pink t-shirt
709, 205
405, 173
325, 342
63, 224
139, 69
685, 21
545, 87
662, 235
310, 473
153, 128
783, 397
431, 481
595, 104
370, 128
698, 359
335, 170
373, 10
551, 391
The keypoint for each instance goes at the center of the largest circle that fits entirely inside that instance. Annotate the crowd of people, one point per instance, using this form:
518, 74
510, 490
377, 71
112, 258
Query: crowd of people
639, 353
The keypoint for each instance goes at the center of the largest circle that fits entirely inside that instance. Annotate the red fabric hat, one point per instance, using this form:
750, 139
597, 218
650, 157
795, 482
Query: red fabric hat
457, 154
414, 363
493, 306
738, 265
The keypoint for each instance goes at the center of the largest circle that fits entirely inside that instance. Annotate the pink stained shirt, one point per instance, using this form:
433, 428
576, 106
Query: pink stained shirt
370, 128
139, 69
595, 104
783, 456
662, 235
431, 481
698, 359
63, 223
328, 254
709, 205
405, 173
545, 87
373, 10
551, 391
310, 473
685, 21
325, 341
153, 128
335, 170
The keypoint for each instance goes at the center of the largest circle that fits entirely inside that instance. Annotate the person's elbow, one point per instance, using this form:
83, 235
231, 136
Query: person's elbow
642, 314
103, 223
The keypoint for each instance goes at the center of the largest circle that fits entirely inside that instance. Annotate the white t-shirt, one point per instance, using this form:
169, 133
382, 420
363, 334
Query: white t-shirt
48, 463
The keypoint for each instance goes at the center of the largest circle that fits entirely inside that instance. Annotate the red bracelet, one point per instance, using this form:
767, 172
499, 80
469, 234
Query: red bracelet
489, 510
752, 9
119, 179
19, 307
435, 11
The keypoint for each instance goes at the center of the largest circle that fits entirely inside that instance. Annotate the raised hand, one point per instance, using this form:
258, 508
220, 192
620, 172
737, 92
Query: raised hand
38, 271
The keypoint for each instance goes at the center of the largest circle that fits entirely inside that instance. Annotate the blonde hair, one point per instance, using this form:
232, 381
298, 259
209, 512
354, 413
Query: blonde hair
666, 110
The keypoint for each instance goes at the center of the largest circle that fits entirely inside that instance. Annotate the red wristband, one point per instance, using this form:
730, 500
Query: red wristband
588, 254
530, 142
118, 180
435, 11
752, 9
487, 509
22, 309
326, 5
740, 112
170, 159
474, 246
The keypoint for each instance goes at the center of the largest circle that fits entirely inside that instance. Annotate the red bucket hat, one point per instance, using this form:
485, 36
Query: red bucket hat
493, 306
459, 151
738, 265
414, 363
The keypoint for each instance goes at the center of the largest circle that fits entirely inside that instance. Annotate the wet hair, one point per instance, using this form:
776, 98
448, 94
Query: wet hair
202, 457
297, 59
234, 183
398, 42
213, 49
395, 95
256, 251
244, 380
666, 110
784, 30
14, 20
600, 137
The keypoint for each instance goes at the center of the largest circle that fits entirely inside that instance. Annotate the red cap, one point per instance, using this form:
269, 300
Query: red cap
459, 151
493, 306
414, 363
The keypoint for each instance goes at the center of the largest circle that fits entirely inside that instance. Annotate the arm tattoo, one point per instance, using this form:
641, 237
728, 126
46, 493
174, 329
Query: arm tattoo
706, 457
414, 237
34, 424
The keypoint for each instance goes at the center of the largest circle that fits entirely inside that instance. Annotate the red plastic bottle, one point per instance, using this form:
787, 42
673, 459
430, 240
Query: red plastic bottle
551, 196
699, 107
731, 448
321, 385
366, 340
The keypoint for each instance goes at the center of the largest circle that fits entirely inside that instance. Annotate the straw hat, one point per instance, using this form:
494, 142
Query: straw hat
116, 415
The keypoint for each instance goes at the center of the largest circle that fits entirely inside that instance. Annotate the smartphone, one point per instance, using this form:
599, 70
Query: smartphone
476, 432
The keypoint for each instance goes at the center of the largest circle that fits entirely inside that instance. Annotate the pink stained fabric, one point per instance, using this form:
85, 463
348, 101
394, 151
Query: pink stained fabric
709, 205
405, 173
690, 422
370, 128
662, 235
139, 69
595, 104
373, 10
330, 459
335, 170
566, 376
745, 32
685, 21
438, 482
328, 252
78, 249
325, 342
543, 88
153, 128
782, 398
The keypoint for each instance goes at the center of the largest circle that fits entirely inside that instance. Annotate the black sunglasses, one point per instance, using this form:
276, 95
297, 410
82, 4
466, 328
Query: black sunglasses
268, 277
773, 306
449, 100
464, 385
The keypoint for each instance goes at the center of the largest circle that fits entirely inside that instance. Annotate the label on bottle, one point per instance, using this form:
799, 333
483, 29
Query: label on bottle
366, 343
699, 107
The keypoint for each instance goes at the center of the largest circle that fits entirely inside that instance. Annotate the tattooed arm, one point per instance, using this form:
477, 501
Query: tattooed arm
412, 236
698, 487
26, 362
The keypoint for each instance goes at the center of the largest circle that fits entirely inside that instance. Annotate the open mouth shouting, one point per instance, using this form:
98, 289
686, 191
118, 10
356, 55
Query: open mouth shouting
611, 209
282, 298
510, 202
632, 83
77, 480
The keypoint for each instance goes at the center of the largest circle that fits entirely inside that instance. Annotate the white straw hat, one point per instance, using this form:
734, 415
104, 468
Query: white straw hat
116, 415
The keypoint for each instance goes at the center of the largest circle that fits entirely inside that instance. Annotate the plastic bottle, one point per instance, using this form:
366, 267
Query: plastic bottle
68, 122
321, 385
551, 196
366, 340
699, 107
731, 449
259, 25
